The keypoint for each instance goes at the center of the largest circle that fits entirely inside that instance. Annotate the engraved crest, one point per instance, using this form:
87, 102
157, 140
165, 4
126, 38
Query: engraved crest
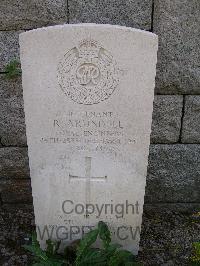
88, 73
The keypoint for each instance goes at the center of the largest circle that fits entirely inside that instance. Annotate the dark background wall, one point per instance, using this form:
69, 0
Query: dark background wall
173, 181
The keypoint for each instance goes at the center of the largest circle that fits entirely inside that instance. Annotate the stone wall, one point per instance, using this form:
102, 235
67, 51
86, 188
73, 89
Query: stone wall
174, 161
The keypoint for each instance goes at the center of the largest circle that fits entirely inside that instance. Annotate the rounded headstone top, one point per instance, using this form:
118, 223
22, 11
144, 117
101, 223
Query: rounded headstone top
94, 25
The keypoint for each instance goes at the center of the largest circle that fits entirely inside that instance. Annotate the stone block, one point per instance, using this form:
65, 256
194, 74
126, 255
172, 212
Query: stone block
166, 122
9, 47
12, 124
16, 227
191, 120
14, 163
177, 24
22, 14
15, 191
168, 234
180, 208
173, 174
79, 147
132, 13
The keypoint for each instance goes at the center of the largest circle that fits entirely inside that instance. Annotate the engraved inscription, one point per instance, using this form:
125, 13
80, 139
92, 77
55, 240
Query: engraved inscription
88, 73
91, 131
87, 178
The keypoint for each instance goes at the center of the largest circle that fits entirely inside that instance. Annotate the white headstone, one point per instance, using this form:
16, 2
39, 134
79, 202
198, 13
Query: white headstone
88, 97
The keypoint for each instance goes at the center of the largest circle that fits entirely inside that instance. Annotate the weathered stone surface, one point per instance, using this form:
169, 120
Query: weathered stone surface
173, 174
133, 13
16, 226
9, 47
166, 122
180, 208
15, 191
12, 124
14, 163
22, 14
77, 149
191, 120
177, 24
167, 235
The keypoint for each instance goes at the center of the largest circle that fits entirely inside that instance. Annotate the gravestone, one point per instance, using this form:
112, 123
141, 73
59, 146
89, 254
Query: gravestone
88, 97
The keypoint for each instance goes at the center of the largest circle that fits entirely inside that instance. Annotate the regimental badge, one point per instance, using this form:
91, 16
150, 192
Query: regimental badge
88, 73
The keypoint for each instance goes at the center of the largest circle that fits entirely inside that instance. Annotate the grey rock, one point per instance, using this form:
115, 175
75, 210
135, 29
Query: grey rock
177, 24
191, 120
166, 122
22, 14
168, 263
14, 163
181, 208
173, 174
133, 13
16, 224
167, 236
12, 124
15, 191
9, 47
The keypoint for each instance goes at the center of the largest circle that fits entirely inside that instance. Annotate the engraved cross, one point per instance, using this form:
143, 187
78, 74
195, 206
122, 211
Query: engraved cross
88, 178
